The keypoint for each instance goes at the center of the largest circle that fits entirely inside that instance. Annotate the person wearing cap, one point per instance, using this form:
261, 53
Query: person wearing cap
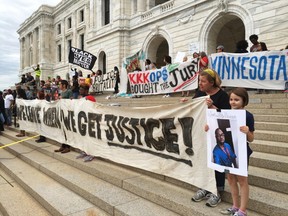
220, 48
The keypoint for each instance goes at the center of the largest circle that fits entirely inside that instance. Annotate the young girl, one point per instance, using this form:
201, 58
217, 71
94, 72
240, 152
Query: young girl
238, 100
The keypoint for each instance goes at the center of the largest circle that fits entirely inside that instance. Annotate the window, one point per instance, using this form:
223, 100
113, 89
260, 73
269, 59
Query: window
106, 12
59, 52
59, 29
69, 23
158, 2
81, 15
82, 41
102, 62
69, 44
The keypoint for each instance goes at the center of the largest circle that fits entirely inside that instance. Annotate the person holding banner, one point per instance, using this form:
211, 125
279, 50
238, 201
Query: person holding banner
65, 94
84, 94
238, 100
167, 60
117, 81
209, 84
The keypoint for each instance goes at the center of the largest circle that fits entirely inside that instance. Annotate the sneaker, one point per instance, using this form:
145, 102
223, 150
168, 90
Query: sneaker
239, 213
81, 155
40, 140
20, 135
164, 96
65, 150
88, 158
213, 200
59, 150
229, 211
200, 195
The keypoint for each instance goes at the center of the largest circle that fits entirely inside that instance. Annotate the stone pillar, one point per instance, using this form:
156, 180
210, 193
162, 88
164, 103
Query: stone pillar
27, 41
34, 47
37, 45
21, 53
141, 5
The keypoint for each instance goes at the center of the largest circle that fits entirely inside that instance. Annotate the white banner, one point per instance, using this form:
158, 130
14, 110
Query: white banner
259, 70
103, 82
168, 79
227, 148
168, 140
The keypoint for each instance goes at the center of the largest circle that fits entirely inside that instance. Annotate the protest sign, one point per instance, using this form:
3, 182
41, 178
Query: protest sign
167, 140
81, 58
262, 70
226, 144
168, 79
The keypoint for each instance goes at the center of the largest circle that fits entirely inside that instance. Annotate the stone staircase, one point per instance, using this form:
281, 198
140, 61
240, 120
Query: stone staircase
36, 181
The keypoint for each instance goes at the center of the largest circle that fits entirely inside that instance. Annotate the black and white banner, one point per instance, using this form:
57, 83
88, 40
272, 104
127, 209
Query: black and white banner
82, 58
168, 140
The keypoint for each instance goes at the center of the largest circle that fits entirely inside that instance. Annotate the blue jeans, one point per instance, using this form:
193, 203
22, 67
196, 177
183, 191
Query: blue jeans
9, 116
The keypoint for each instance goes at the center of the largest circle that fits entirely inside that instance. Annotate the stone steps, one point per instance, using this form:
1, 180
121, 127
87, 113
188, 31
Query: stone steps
271, 118
269, 161
273, 111
152, 190
272, 126
54, 197
278, 136
268, 179
65, 190
268, 106
266, 201
12, 195
279, 148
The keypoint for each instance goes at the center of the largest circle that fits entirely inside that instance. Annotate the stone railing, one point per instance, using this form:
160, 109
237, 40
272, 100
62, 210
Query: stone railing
167, 6
147, 15
158, 10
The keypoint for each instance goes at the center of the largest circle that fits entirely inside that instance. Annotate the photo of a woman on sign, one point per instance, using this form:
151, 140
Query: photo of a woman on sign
222, 152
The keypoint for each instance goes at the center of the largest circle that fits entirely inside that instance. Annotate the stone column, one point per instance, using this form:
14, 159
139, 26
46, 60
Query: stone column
34, 47
141, 5
27, 41
37, 45
21, 54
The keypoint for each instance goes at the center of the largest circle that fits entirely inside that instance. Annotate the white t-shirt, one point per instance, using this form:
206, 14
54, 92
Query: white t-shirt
8, 99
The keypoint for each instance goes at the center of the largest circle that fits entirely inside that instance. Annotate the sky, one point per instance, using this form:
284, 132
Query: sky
12, 14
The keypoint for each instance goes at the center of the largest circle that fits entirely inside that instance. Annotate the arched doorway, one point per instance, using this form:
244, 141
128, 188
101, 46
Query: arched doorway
157, 49
227, 31
102, 62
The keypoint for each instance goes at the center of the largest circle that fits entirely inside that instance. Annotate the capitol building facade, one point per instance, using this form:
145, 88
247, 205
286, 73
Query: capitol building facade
115, 29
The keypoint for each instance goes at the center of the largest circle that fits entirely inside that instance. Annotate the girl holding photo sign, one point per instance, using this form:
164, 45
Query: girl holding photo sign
238, 100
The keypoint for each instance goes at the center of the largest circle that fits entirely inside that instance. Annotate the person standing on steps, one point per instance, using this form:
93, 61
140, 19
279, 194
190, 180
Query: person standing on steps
65, 94
238, 100
21, 94
210, 84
